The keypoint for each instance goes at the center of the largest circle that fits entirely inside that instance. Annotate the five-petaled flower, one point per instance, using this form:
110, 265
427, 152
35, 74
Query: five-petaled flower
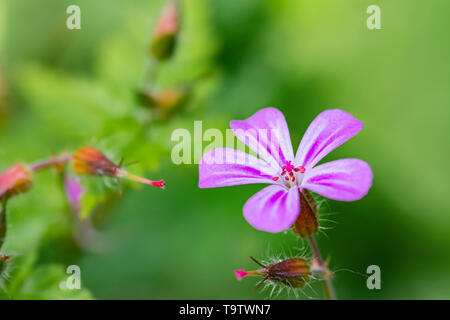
276, 207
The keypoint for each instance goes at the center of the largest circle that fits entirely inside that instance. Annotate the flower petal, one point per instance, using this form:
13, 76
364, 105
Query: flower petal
344, 180
273, 209
267, 134
74, 191
223, 167
328, 131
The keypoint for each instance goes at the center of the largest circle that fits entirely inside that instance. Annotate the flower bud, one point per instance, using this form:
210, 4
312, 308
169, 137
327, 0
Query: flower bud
307, 222
14, 180
166, 31
292, 272
88, 160
167, 102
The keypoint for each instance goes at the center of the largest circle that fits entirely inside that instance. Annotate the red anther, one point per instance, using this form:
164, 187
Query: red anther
288, 171
275, 178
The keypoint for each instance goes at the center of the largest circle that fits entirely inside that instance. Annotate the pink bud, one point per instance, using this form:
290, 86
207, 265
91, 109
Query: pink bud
15, 179
168, 21
166, 31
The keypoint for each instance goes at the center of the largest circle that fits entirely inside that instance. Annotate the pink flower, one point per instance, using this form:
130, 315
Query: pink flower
276, 207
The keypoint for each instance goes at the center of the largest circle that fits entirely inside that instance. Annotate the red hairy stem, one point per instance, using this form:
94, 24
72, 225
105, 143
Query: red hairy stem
327, 283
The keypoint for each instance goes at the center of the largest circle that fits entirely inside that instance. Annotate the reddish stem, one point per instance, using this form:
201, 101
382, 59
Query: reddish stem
327, 283
57, 161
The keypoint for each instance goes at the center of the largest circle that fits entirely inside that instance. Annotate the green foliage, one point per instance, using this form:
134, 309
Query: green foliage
66, 110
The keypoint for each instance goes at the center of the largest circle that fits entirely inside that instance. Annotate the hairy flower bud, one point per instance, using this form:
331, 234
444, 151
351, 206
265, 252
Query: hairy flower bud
14, 180
307, 222
88, 160
166, 31
293, 272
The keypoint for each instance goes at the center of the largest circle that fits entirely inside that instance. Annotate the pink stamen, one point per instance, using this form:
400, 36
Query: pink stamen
240, 274
289, 169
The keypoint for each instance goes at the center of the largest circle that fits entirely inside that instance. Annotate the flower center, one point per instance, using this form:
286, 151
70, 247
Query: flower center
290, 174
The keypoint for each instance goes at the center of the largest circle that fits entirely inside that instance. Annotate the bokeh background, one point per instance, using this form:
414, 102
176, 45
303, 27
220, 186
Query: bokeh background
61, 89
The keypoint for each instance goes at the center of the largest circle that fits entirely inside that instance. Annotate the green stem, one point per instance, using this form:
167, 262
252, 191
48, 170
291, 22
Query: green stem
2, 221
327, 283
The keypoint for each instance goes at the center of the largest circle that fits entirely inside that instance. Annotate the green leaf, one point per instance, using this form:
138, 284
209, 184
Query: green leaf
44, 282
2, 22
73, 107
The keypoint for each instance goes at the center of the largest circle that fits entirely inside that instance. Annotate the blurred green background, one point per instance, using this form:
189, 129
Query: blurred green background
61, 89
